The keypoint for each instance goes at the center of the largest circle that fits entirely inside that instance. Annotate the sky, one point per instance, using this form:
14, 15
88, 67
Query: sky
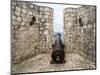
58, 24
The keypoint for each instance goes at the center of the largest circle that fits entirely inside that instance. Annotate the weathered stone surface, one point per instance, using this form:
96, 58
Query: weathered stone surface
43, 20
25, 20
41, 9
48, 9
18, 9
13, 17
30, 40
73, 62
31, 6
80, 39
46, 16
46, 32
14, 22
24, 6
30, 13
22, 23
23, 15
24, 11
19, 18
17, 13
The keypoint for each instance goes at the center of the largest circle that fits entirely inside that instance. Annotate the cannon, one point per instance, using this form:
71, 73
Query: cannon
58, 54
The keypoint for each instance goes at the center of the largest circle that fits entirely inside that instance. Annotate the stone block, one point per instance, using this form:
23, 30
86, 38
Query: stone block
18, 9
28, 35
13, 8
46, 16
22, 23
30, 13
70, 10
46, 9
19, 18
17, 13
23, 15
47, 24
46, 32
31, 6
28, 16
48, 13
25, 20
14, 22
41, 28
24, 6
24, 11
13, 17
90, 26
41, 8
13, 3
43, 20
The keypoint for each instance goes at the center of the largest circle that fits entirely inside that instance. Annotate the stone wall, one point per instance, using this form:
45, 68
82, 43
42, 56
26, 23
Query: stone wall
27, 38
79, 37
46, 28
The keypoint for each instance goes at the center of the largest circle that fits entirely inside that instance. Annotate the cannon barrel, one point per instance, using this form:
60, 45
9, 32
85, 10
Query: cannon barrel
58, 53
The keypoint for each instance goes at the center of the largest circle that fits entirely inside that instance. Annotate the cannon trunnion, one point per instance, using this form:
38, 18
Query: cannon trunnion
58, 54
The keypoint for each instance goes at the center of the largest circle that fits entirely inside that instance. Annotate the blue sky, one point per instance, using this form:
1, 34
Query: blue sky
58, 14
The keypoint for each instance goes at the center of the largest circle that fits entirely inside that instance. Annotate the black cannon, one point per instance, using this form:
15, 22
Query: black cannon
58, 53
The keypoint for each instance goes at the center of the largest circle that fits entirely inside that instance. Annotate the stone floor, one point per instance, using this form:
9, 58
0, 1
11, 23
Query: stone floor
41, 63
